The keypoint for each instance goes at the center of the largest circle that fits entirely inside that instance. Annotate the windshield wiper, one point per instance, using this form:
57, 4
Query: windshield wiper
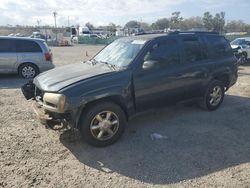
109, 64
94, 62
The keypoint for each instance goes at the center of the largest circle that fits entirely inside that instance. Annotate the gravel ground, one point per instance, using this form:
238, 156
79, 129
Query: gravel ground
208, 149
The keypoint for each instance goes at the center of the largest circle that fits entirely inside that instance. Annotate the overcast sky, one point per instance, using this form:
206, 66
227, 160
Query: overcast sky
99, 12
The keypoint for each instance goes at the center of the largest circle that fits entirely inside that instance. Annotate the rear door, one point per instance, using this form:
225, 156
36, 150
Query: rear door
197, 65
222, 55
29, 51
8, 56
163, 82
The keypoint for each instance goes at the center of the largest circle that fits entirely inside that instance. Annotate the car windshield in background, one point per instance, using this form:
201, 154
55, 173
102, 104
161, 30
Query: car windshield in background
121, 52
239, 42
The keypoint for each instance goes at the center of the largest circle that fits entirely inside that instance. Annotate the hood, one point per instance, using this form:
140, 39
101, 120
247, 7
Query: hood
60, 77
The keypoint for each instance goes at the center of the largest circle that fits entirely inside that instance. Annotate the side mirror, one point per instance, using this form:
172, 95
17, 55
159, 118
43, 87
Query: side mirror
149, 64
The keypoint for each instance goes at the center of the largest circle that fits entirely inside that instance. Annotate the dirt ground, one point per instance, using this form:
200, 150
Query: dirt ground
202, 149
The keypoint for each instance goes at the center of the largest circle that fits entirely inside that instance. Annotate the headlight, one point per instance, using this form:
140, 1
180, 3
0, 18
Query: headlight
54, 102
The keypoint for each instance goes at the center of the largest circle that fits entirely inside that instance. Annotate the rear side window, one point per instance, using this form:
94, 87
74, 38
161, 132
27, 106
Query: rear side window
7, 46
27, 46
192, 49
165, 52
219, 46
46, 46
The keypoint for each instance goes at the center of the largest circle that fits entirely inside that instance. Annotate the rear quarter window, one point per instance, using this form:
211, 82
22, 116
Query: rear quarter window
27, 46
219, 46
7, 46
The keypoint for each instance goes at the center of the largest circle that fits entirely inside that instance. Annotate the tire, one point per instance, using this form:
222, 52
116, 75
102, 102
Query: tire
106, 117
211, 101
28, 71
244, 58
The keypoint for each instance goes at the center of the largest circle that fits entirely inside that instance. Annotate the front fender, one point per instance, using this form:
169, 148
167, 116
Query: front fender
82, 93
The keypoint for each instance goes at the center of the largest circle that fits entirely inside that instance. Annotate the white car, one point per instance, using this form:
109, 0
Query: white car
244, 44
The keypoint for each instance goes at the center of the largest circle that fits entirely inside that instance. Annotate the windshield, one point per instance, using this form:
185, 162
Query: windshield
120, 52
239, 42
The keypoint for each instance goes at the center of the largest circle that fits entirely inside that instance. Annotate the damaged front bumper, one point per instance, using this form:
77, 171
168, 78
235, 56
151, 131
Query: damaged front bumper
45, 116
40, 113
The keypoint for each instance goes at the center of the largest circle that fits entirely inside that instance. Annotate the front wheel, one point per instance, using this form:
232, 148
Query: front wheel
102, 124
214, 95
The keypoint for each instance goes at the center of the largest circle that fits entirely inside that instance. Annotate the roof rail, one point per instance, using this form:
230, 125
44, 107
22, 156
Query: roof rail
192, 32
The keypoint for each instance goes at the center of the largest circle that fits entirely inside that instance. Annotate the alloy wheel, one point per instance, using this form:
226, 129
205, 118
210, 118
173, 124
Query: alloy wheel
104, 125
28, 72
215, 96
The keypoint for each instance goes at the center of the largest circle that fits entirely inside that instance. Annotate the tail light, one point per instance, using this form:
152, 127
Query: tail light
48, 56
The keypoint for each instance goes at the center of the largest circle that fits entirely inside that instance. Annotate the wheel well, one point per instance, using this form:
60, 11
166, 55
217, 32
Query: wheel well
28, 63
224, 79
115, 99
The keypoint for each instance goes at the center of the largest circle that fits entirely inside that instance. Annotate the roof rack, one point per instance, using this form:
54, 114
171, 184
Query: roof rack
192, 32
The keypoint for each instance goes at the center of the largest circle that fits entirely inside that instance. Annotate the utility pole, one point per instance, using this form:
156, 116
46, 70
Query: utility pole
55, 14
38, 23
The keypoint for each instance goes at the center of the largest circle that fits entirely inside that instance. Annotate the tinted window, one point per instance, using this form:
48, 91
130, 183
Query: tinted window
219, 46
7, 45
192, 49
165, 52
27, 46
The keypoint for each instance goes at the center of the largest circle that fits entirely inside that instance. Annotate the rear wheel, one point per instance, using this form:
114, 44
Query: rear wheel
28, 71
102, 124
214, 95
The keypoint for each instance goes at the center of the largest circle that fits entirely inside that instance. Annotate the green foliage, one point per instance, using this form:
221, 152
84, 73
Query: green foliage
193, 22
132, 24
208, 21
214, 23
237, 26
175, 20
160, 24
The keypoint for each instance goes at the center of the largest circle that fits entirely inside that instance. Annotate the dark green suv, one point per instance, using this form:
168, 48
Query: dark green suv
133, 74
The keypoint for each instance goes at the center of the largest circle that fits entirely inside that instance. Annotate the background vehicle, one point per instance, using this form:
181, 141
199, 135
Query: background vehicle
244, 45
131, 75
25, 56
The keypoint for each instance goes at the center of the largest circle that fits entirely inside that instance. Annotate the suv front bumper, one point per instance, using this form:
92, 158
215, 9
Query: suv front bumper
40, 113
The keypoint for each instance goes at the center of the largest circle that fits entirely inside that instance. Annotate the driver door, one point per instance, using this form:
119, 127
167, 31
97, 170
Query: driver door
159, 78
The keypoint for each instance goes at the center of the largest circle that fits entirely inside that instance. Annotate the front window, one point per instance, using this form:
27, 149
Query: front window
120, 52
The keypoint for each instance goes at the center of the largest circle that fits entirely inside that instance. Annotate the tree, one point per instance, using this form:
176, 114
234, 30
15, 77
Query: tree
111, 27
145, 26
219, 22
190, 23
237, 26
176, 20
132, 24
161, 24
90, 26
215, 23
208, 21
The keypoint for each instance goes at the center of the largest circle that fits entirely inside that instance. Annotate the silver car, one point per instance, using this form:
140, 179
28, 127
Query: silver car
244, 45
25, 56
